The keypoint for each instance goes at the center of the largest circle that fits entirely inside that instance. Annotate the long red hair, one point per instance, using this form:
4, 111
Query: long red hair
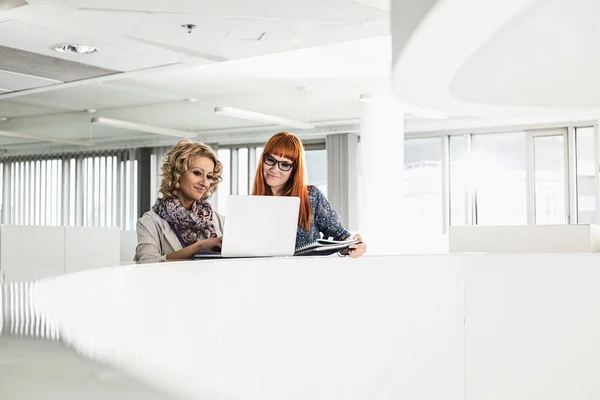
286, 145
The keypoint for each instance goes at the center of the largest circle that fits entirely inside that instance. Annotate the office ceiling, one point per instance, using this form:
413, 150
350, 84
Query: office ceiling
305, 60
511, 57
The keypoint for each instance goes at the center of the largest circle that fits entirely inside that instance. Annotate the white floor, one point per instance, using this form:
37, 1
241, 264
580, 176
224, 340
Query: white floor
36, 370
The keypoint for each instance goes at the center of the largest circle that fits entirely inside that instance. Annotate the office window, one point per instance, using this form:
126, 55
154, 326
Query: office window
82, 190
224, 188
459, 180
35, 189
254, 165
586, 197
316, 169
1, 191
157, 159
549, 179
423, 185
243, 173
497, 172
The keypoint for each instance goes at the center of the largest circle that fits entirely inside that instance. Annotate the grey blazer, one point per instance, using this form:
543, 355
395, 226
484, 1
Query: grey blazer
156, 239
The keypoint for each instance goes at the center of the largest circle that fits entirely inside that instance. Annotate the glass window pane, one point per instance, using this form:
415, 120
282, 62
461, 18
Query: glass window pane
459, 183
423, 185
224, 188
586, 198
1, 192
252, 172
316, 169
497, 172
549, 176
243, 170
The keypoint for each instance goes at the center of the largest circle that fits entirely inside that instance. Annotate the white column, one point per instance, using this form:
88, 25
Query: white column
382, 175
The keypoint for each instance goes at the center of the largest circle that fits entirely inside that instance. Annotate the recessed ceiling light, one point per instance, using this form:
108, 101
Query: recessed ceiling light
78, 49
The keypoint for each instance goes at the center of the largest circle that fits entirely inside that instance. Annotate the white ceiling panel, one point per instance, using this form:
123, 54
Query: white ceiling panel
222, 27
100, 133
207, 86
7, 141
331, 10
293, 104
69, 126
40, 40
383, 5
362, 58
13, 109
307, 65
100, 96
13, 81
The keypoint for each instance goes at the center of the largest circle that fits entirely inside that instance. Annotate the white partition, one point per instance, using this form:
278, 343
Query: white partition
91, 247
420, 243
293, 328
525, 239
128, 245
31, 252
407, 327
532, 327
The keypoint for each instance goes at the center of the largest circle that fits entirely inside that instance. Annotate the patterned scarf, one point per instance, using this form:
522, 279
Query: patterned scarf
189, 225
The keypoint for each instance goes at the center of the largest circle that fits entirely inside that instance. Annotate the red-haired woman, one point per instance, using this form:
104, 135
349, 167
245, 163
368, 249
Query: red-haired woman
281, 172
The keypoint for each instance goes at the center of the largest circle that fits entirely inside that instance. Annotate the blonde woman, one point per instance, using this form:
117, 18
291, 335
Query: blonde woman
182, 222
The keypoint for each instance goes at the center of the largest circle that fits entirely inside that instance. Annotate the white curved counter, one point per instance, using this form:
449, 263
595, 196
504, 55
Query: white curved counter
418, 327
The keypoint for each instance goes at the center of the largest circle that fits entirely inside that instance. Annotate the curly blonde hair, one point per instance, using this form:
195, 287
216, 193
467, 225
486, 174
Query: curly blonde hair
176, 162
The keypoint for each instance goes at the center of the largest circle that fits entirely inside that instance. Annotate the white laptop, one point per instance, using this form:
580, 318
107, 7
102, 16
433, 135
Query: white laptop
258, 226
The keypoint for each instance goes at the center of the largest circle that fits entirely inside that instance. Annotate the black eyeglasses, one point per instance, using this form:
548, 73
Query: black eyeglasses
283, 165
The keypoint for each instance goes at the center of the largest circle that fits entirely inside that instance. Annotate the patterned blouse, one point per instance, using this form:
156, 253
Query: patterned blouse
325, 220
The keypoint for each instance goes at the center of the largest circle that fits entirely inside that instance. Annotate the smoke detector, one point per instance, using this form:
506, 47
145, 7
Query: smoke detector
189, 27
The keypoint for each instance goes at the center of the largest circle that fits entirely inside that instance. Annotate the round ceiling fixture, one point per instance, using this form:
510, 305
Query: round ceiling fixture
78, 49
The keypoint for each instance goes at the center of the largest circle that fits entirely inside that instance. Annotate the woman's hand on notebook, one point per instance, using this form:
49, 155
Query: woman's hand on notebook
210, 244
358, 249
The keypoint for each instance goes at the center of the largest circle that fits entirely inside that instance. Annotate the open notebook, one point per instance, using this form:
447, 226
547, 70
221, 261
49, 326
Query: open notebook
323, 247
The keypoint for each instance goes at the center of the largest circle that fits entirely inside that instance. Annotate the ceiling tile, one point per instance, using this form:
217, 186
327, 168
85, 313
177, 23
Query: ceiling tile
15, 81
26, 62
32, 38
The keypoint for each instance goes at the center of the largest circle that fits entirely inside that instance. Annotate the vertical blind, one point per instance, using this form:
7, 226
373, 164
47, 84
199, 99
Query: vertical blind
75, 190
156, 161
